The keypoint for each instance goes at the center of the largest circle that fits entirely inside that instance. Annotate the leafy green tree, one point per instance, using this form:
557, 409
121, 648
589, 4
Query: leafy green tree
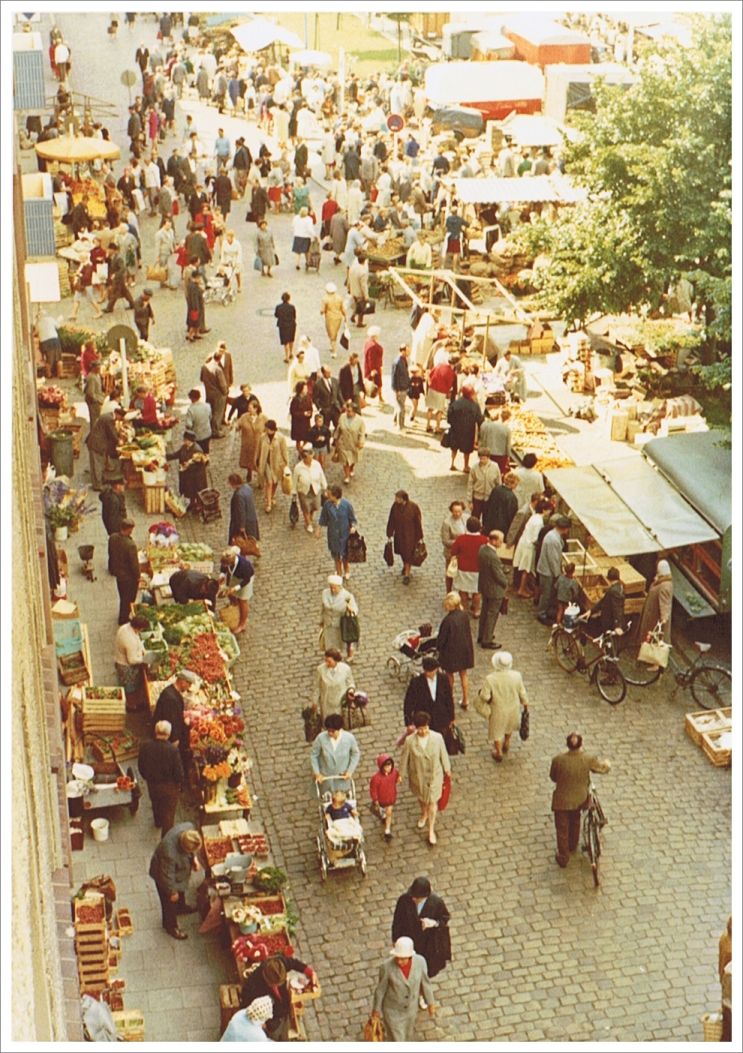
655, 159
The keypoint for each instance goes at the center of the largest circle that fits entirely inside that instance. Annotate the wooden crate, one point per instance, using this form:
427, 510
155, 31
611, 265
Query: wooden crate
72, 669
124, 922
229, 1003
720, 756
154, 500
634, 604
129, 1024
706, 721
68, 367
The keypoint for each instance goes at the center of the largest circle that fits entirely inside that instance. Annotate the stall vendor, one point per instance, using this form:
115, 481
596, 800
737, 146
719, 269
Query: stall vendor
145, 403
269, 979
129, 661
509, 367
187, 585
192, 462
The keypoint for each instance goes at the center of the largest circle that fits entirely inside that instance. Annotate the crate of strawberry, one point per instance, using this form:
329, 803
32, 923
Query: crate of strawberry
256, 948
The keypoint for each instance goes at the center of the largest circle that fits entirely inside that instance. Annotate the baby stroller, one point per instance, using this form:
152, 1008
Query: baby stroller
222, 287
410, 646
337, 847
314, 255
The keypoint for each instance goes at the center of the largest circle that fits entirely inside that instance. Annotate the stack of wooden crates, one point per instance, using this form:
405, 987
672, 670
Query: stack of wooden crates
711, 730
91, 942
103, 714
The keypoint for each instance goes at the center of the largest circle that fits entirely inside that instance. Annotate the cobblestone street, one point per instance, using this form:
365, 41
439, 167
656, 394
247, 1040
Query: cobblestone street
539, 954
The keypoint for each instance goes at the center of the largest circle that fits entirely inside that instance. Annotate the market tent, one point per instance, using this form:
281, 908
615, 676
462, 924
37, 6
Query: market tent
70, 150
526, 129
700, 465
540, 30
570, 87
520, 188
258, 34
629, 508
311, 58
469, 82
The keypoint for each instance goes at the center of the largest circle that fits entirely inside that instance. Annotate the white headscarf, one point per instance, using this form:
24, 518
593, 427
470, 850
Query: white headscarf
664, 568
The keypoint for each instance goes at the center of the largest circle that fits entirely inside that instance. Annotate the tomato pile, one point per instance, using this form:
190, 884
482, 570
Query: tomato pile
204, 657
89, 915
256, 948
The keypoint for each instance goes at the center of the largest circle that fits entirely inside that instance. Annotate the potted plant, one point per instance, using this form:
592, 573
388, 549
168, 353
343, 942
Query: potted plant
65, 507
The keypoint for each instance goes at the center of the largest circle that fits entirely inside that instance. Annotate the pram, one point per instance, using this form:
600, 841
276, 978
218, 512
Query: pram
222, 287
314, 256
410, 646
336, 851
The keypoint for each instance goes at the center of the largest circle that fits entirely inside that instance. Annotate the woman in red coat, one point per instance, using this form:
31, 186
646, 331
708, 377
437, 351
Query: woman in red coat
373, 358
406, 527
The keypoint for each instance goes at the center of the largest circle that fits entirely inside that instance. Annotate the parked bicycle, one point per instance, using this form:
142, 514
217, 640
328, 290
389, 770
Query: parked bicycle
594, 821
568, 643
711, 683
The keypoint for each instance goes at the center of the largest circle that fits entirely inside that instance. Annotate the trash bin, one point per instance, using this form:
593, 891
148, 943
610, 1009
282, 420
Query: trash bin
62, 456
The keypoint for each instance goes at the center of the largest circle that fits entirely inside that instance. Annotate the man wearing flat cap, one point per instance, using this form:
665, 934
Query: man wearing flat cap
143, 313
170, 868
170, 707
549, 568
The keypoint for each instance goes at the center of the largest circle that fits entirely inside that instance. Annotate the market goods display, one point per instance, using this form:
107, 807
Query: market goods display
255, 948
529, 435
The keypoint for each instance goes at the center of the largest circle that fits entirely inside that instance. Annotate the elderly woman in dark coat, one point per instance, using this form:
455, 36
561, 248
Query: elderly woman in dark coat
192, 462
501, 507
195, 313
456, 651
465, 418
426, 925
406, 527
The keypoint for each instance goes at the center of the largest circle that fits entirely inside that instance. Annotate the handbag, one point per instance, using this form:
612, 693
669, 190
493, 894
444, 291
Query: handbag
193, 315
374, 1030
356, 551
336, 455
257, 265
157, 274
420, 553
482, 706
452, 567
445, 793
275, 259
524, 727
366, 307
294, 512
654, 653
504, 605
454, 740
389, 554
350, 628
247, 544
345, 340
286, 482
446, 440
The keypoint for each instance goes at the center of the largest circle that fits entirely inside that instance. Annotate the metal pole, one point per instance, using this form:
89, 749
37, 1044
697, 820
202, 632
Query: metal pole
306, 32
342, 79
124, 374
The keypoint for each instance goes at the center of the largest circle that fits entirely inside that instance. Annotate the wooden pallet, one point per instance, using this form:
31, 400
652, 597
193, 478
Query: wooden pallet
129, 1025
706, 721
720, 756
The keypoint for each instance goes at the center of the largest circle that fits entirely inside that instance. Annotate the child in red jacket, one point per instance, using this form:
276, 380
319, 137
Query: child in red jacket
383, 791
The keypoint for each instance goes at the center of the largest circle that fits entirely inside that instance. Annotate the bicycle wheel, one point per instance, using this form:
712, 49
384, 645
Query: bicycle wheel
567, 651
610, 682
594, 849
639, 674
712, 687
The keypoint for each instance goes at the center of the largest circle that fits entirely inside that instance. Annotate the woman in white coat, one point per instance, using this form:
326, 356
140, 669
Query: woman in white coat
524, 557
336, 601
403, 982
425, 762
333, 680
504, 694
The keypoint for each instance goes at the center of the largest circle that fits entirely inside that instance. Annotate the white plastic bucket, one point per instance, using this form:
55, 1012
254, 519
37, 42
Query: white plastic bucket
100, 829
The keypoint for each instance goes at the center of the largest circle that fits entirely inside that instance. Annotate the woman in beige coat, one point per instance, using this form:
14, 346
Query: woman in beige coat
250, 427
334, 313
425, 762
503, 693
659, 603
350, 435
273, 458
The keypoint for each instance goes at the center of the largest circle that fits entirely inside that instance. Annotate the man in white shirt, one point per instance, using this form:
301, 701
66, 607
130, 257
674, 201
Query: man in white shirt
62, 60
152, 184
309, 485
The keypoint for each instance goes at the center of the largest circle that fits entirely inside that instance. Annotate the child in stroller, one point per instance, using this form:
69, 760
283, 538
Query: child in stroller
222, 287
410, 646
340, 842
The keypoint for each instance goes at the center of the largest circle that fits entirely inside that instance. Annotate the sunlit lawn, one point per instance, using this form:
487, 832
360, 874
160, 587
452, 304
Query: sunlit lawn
328, 31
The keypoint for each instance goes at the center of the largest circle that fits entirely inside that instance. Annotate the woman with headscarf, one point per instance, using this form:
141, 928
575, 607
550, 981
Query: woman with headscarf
659, 603
465, 417
336, 601
455, 647
269, 979
503, 694
423, 916
333, 311
373, 360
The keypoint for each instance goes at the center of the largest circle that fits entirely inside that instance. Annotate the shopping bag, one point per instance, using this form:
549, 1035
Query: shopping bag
482, 706
452, 567
157, 274
420, 554
247, 544
356, 551
454, 740
446, 440
368, 307
286, 482
374, 1030
345, 340
350, 629
257, 265
389, 554
294, 512
524, 728
654, 653
445, 793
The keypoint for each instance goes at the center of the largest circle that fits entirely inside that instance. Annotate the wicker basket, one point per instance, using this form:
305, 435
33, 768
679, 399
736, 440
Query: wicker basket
712, 1027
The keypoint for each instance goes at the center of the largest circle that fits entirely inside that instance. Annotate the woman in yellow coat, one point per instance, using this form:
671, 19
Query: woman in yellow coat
250, 426
334, 313
273, 459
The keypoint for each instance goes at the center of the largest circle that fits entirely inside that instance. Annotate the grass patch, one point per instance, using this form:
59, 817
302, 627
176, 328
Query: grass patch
367, 51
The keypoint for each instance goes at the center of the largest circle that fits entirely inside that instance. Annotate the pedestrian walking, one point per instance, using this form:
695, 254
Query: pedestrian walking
405, 527
465, 417
309, 484
333, 680
286, 320
300, 413
349, 439
338, 516
358, 286
216, 390
423, 917
250, 426
373, 353
335, 755
383, 791
571, 774
500, 700
144, 316
454, 644
303, 231
160, 766
403, 982
172, 863
401, 384
333, 311
351, 382
491, 583
265, 248
424, 763
273, 460
429, 692
117, 279
195, 312
231, 255
243, 515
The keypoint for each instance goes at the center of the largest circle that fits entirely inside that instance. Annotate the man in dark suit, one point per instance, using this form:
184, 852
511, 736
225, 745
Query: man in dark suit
160, 766
123, 562
430, 693
491, 584
610, 608
326, 395
570, 772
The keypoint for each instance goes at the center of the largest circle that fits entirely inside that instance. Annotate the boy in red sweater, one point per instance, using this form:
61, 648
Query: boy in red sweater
383, 791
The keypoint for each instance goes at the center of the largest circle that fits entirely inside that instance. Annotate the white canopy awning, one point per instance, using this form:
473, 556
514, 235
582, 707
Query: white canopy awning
520, 188
532, 130
258, 34
629, 507
310, 58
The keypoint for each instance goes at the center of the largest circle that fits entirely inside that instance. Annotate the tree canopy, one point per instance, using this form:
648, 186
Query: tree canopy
656, 160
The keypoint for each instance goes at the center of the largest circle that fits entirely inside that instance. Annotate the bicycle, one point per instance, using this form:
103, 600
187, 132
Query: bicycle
710, 683
594, 821
603, 670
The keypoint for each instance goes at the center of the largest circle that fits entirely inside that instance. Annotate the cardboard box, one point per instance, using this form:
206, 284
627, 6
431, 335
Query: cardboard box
618, 422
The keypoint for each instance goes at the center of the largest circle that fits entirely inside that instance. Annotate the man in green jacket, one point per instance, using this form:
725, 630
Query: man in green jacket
571, 773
